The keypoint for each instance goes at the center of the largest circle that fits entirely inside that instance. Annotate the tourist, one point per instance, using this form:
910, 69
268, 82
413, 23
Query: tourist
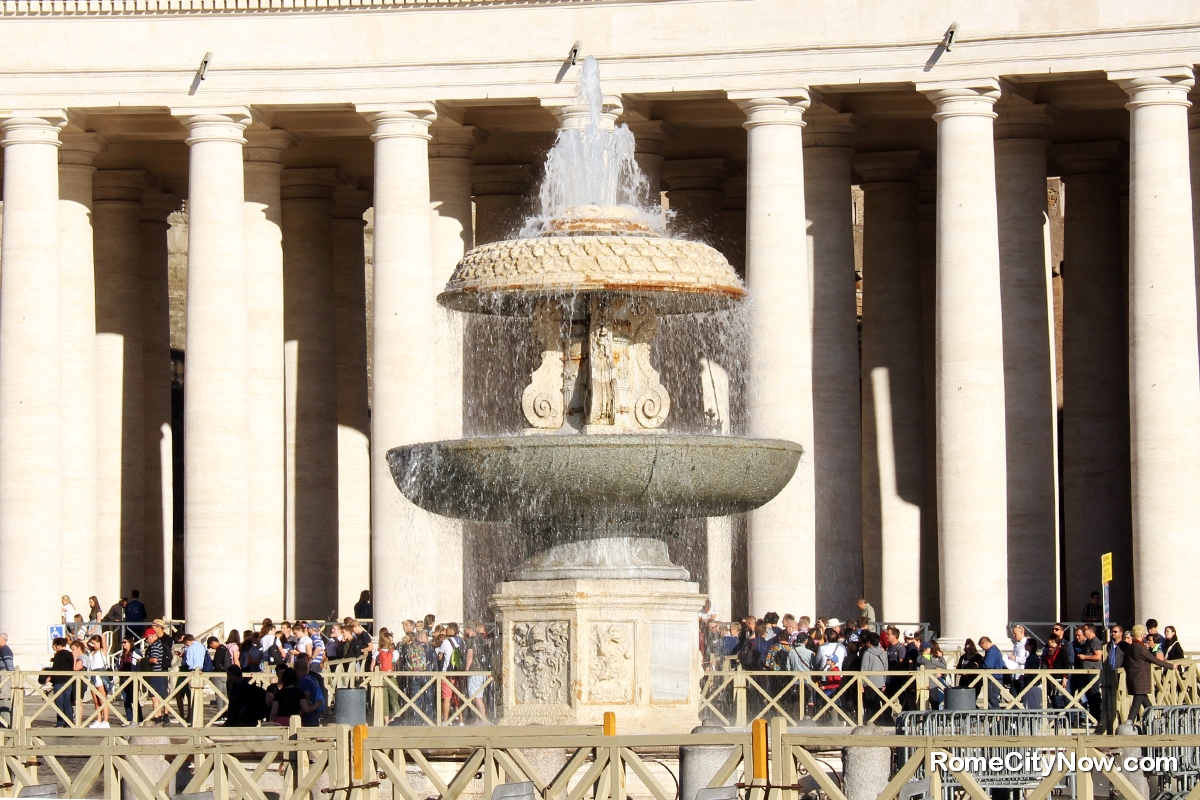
386, 661
319, 652
833, 651
430, 621
7, 664
706, 613
94, 660
135, 611
158, 657
1056, 656
1151, 627
1018, 639
451, 658
358, 643
285, 703
1028, 684
1138, 680
420, 657
116, 613
932, 660
1093, 610
993, 659
867, 610
1089, 657
247, 702
313, 704
95, 615
127, 661
61, 688
1172, 649
68, 610
233, 646
1111, 671
874, 662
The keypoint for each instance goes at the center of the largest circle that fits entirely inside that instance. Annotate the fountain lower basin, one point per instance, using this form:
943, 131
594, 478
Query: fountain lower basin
610, 484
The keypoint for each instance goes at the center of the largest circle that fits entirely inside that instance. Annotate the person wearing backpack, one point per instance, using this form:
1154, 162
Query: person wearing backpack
312, 707
419, 657
451, 658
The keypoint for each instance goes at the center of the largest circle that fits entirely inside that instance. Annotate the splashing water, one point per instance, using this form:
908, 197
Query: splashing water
593, 165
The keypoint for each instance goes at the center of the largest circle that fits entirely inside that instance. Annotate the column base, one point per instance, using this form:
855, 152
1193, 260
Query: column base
576, 648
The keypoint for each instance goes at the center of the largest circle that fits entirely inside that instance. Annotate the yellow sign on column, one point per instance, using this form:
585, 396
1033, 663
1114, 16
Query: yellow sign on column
1106, 567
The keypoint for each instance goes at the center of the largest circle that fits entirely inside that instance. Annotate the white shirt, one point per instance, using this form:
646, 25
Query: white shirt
832, 648
446, 648
68, 613
95, 661
304, 645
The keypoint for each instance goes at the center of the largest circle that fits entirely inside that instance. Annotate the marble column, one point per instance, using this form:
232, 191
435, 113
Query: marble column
1030, 409
216, 407
649, 137
1096, 476
893, 378
696, 361
452, 235
310, 392
77, 286
1164, 376
117, 222
490, 550
263, 213
353, 405
1194, 152
158, 526
31, 494
971, 445
837, 429
404, 399
696, 193
930, 591
780, 363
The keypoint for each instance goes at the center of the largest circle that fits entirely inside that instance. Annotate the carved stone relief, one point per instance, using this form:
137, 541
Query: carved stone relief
542, 400
611, 665
541, 656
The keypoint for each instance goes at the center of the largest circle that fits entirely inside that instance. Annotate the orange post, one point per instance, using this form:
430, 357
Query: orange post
758, 739
358, 736
610, 723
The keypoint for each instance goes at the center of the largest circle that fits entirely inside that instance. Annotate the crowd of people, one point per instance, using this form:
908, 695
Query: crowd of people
791, 644
297, 653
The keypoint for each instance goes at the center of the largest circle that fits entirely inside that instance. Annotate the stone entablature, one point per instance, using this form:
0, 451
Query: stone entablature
106, 7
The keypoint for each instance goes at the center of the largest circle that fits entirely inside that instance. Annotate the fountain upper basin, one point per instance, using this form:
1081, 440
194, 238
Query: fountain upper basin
593, 480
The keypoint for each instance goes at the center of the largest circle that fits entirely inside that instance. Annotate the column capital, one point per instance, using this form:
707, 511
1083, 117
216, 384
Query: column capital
785, 108
157, 206
1083, 158
80, 148
571, 113
403, 120
1150, 87
825, 129
267, 145
896, 166
650, 135
1023, 122
315, 183
501, 179
214, 123
705, 174
32, 126
455, 141
123, 185
350, 202
975, 97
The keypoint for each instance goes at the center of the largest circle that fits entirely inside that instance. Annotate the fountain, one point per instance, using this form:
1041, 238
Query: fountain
599, 618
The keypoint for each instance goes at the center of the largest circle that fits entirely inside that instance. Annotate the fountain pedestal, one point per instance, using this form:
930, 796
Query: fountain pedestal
577, 647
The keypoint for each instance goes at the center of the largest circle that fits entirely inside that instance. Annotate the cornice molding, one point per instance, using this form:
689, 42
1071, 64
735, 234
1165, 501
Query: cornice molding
76, 8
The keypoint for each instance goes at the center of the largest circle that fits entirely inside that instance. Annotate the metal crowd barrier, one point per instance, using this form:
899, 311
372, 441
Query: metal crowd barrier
1182, 779
978, 724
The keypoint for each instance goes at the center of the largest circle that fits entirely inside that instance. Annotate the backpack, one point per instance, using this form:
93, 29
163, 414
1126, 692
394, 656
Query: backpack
273, 655
219, 662
414, 658
777, 657
748, 657
207, 666
458, 658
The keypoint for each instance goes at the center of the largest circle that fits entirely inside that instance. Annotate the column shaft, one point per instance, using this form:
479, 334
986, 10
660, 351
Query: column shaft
893, 401
216, 408
1029, 402
157, 437
452, 235
780, 367
30, 385
120, 429
353, 407
403, 358
927, 227
77, 279
310, 402
971, 446
1096, 468
263, 214
1164, 376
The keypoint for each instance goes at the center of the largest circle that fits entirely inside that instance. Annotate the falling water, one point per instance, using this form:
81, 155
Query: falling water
591, 166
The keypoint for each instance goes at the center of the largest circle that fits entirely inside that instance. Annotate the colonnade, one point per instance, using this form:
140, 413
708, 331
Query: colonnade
285, 466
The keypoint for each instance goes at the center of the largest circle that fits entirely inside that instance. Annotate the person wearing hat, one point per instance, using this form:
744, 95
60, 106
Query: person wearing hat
1138, 680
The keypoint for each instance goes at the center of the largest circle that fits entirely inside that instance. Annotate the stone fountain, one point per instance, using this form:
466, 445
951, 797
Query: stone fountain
599, 618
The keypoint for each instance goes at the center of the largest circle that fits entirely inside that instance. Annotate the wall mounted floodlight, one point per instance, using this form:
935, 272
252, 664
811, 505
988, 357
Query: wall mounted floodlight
201, 73
574, 54
948, 39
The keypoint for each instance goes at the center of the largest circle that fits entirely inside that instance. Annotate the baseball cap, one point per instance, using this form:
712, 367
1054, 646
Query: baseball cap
909, 633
